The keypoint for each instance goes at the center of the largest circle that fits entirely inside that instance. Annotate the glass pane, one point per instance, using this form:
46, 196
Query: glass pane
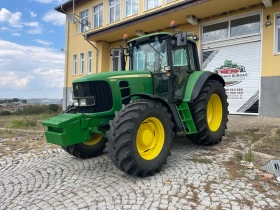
96, 9
100, 18
278, 20
244, 26
112, 14
95, 20
101, 7
157, 3
117, 12
150, 4
128, 7
215, 32
111, 2
135, 7
278, 39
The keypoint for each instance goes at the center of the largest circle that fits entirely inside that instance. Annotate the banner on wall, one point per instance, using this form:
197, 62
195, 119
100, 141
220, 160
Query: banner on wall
239, 65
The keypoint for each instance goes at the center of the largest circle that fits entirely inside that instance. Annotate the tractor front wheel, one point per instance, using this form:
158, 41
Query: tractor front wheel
88, 149
210, 114
140, 136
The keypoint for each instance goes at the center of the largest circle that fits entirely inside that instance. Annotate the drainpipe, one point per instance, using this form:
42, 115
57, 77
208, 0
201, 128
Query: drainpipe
96, 68
66, 53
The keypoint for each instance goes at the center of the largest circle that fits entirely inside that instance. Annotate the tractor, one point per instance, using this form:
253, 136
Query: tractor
137, 112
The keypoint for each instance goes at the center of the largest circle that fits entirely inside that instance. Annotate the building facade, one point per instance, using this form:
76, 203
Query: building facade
240, 40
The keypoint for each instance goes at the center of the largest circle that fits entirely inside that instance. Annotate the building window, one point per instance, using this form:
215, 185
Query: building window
84, 21
89, 62
277, 34
168, 1
114, 10
150, 4
98, 15
74, 67
232, 28
116, 60
82, 63
245, 26
131, 7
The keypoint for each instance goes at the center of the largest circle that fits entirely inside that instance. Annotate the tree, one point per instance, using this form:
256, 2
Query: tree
15, 100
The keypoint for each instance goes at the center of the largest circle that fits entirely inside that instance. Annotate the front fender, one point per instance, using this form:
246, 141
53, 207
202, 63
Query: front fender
197, 80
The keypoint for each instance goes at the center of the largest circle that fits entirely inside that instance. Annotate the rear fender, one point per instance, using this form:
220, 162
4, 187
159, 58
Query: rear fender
196, 82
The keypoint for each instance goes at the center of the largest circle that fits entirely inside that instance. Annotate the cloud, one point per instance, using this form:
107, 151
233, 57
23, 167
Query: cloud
56, 18
12, 18
32, 14
37, 30
31, 24
16, 34
39, 75
42, 42
50, 1
11, 80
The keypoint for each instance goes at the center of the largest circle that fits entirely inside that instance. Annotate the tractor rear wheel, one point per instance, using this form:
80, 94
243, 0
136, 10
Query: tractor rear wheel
88, 149
140, 137
210, 114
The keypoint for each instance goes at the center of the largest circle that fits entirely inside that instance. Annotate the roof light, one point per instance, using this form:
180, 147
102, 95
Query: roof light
172, 24
125, 37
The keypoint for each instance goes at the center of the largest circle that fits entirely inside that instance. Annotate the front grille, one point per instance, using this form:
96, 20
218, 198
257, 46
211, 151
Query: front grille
100, 90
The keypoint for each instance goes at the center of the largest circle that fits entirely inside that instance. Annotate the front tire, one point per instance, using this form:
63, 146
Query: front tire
210, 114
89, 149
140, 137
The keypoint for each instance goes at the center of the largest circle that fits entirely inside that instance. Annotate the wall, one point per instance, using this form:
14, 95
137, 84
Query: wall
270, 83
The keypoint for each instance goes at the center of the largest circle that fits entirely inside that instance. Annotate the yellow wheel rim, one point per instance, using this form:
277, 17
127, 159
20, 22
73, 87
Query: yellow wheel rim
94, 139
214, 112
150, 138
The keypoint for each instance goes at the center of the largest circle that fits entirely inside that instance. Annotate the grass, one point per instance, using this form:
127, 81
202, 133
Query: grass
270, 144
33, 122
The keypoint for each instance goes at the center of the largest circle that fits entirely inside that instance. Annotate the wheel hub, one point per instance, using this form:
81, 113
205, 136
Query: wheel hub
214, 112
150, 138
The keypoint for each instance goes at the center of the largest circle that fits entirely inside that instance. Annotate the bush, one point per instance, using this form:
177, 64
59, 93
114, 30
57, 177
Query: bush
5, 113
53, 107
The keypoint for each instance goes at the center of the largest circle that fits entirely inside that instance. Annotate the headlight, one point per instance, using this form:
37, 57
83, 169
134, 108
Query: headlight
75, 102
83, 102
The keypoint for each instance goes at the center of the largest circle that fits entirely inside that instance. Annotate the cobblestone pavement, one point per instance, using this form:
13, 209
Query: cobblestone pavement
194, 178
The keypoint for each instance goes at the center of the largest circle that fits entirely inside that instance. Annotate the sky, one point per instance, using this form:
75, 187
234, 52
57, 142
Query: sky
32, 35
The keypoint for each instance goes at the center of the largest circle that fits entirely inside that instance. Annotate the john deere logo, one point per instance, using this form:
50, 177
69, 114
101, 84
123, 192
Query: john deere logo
232, 73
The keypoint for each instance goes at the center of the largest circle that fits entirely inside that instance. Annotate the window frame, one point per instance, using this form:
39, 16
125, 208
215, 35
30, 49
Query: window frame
146, 5
80, 25
74, 64
108, 15
82, 61
89, 60
276, 34
97, 5
119, 60
125, 8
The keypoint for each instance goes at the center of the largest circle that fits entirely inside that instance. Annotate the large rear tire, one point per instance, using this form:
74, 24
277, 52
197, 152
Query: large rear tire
140, 137
210, 114
89, 149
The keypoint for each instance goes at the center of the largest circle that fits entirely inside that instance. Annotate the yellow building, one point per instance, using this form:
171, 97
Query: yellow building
238, 39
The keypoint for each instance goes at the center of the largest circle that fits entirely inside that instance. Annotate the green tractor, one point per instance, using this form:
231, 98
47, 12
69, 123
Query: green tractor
136, 113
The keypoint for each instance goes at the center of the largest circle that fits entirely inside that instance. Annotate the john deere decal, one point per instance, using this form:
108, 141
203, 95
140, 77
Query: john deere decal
232, 73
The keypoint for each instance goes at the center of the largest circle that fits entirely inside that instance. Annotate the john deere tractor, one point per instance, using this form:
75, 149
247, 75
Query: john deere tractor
135, 113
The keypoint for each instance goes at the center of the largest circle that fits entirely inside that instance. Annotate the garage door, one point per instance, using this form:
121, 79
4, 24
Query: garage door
236, 57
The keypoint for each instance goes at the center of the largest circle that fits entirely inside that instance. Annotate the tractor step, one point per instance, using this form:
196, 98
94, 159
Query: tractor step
185, 115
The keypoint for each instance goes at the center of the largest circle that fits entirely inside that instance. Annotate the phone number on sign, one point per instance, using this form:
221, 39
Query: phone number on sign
235, 96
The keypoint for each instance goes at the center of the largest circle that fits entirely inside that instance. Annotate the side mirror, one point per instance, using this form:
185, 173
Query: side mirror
182, 39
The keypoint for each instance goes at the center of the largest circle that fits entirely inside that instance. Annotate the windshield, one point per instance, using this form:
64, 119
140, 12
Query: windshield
150, 56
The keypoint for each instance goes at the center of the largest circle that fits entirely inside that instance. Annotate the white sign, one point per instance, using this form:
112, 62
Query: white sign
239, 65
